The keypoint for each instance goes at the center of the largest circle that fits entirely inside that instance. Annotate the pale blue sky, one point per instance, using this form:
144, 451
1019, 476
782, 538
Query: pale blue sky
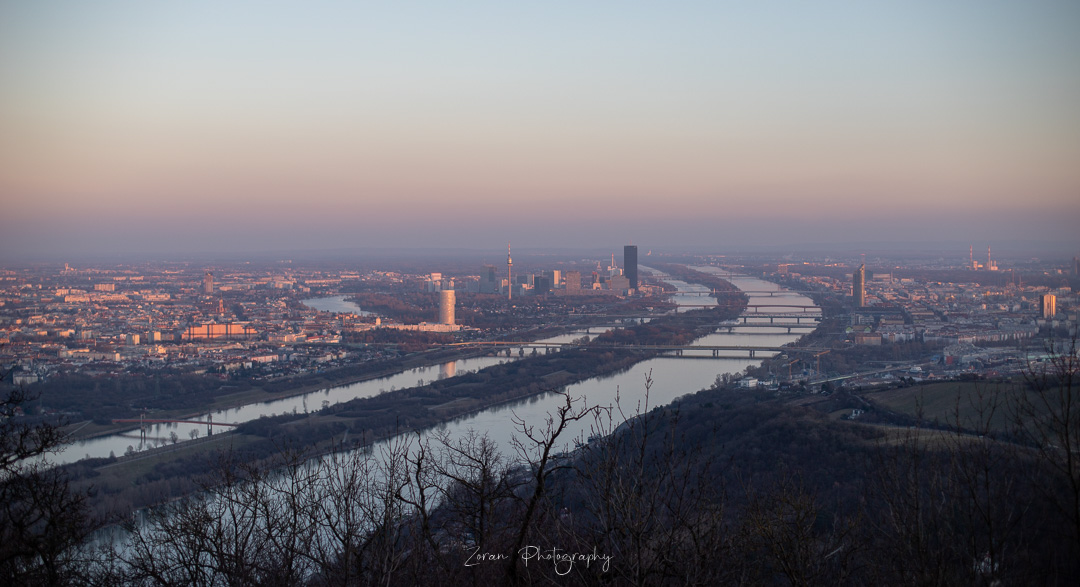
244, 125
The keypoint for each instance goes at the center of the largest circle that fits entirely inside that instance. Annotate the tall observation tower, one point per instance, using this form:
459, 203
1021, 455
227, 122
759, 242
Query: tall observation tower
509, 274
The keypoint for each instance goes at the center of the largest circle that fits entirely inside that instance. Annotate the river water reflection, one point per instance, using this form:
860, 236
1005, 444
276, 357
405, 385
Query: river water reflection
672, 377
337, 304
161, 434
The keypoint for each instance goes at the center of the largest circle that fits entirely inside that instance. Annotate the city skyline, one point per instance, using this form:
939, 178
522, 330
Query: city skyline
127, 127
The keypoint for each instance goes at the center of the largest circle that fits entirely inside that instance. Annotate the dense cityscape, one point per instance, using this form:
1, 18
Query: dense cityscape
600, 294
185, 318
89, 352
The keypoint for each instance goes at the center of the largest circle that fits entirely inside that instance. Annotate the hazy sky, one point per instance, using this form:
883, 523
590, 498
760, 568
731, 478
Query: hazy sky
203, 126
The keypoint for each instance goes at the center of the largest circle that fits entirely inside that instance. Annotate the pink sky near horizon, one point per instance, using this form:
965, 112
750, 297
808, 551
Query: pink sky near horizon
201, 118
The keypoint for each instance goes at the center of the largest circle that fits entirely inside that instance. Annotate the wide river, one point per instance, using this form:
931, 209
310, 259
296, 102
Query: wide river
672, 377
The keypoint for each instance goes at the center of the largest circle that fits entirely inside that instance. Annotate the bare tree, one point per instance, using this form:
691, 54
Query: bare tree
42, 520
339, 516
1046, 418
650, 501
250, 525
384, 549
537, 448
785, 526
982, 486
653, 500
429, 539
475, 481
908, 502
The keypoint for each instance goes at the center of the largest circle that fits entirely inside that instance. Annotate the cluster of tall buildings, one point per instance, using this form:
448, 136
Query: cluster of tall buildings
613, 279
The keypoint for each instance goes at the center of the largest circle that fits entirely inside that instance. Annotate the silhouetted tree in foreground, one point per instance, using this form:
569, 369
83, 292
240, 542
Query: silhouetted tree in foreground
42, 522
637, 502
1046, 421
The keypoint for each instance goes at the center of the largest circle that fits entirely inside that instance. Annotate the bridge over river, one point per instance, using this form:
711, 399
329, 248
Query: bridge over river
714, 350
750, 292
144, 423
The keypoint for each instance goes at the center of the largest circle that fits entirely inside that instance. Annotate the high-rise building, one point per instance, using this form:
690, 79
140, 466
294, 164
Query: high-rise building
541, 284
433, 283
573, 281
629, 257
858, 287
1048, 306
619, 283
489, 279
447, 299
208, 283
509, 274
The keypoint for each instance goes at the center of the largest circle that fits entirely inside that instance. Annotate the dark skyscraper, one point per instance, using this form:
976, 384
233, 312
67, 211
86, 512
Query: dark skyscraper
629, 259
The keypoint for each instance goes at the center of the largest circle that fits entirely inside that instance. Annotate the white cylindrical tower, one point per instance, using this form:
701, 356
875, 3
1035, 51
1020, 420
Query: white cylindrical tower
447, 299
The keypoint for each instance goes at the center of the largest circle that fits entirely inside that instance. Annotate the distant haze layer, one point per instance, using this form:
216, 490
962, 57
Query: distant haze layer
201, 126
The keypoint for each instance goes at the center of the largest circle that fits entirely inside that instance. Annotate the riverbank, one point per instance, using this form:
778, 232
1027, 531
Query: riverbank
85, 430
144, 481
302, 385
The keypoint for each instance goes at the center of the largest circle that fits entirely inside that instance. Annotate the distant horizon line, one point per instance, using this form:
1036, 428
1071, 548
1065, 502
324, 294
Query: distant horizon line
1003, 249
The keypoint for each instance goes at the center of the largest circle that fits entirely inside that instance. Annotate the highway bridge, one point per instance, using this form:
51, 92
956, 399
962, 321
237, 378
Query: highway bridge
804, 308
772, 316
714, 350
739, 328
757, 307
770, 324
749, 292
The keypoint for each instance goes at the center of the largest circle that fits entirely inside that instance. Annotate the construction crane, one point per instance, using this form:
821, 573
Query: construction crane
790, 363
818, 357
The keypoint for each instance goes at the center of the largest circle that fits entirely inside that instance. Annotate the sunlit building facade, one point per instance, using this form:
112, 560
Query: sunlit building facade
1048, 306
447, 300
858, 287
